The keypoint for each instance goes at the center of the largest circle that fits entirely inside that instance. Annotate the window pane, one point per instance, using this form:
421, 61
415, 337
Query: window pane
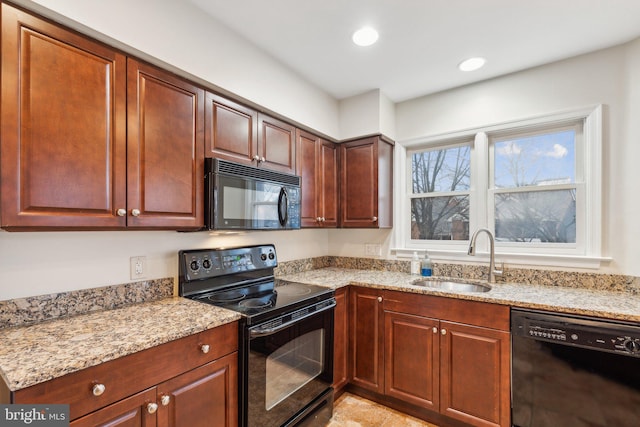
440, 218
536, 216
543, 159
441, 170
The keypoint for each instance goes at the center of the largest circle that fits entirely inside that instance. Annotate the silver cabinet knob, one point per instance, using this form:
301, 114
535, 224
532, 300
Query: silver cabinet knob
205, 348
435, 330
152, 407
318, 219
256, 158
135, 212
98, 389
262, 160
443, 331
379, 299
374, 219
322, 219
165, 399
121, 212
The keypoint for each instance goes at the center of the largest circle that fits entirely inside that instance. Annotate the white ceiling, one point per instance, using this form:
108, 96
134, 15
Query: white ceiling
422, 41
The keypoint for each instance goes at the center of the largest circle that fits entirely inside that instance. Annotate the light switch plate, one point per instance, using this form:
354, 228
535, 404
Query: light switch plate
138, 267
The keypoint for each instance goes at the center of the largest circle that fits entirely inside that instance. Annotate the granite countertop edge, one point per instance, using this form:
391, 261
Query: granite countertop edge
44, 351
613, 305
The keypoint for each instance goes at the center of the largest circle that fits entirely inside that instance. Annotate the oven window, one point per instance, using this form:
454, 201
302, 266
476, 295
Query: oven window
293, 365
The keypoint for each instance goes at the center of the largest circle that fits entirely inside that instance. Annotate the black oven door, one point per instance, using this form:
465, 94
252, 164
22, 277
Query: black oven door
290, 365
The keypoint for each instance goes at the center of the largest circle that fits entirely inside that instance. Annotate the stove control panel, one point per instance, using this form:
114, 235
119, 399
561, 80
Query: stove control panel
200, 264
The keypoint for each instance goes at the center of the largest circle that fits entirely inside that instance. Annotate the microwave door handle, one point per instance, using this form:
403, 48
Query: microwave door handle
283, 202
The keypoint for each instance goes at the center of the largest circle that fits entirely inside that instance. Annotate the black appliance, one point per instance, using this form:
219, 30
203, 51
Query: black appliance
574, 371
286, 333
240, 197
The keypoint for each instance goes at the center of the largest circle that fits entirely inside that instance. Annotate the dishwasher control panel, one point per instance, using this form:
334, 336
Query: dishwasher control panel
597, 334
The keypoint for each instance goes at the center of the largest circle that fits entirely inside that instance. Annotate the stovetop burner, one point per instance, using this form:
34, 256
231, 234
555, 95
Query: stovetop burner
255, 303
293, 289
227, 296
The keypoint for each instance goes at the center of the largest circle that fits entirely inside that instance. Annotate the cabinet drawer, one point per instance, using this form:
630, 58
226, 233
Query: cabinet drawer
476, 313
130, 374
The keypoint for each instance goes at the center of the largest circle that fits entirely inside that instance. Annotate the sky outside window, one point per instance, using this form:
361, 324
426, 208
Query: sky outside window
544, 159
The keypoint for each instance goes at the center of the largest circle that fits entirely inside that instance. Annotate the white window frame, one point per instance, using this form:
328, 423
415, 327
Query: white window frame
585, 253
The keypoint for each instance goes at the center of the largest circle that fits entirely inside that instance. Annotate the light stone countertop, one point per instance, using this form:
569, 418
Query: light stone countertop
33, 354
590, 302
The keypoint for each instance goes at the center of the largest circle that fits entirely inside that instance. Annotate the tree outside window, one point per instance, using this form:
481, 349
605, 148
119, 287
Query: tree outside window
440, 194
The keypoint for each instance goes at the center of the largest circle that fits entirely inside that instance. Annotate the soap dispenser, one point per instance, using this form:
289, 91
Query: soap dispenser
425, 265
415, 264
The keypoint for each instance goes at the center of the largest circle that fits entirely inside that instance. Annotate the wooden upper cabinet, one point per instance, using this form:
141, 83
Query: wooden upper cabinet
231, 130
317, 165
276, 144
242, 135
63, 127
165, 175
366, 193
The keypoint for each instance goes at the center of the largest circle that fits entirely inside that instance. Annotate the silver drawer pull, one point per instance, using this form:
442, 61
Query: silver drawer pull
152, 408
443, 331
205, 348
98, 389
165, 399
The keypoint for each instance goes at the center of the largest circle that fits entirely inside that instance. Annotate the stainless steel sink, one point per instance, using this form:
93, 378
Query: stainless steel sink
449, 285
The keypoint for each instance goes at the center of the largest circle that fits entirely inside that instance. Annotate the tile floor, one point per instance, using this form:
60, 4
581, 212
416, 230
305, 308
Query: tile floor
353, 411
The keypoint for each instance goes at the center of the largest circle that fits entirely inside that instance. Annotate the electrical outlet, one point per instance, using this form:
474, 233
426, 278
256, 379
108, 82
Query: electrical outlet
138, 267
372, 249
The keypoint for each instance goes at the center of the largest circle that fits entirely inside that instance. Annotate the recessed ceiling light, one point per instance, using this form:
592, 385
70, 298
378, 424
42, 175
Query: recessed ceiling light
365, 36
472, 64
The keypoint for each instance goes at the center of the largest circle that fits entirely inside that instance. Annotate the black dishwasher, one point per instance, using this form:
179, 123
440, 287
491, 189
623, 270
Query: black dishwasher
574, 371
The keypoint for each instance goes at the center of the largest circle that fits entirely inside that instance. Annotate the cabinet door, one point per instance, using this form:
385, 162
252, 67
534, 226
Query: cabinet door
165, 150
341, 339
63, 127
475, 380
231, 130
310, 186
412, 361
328, 192
359, 192
276, 144
130, 412
367, 339
204, 397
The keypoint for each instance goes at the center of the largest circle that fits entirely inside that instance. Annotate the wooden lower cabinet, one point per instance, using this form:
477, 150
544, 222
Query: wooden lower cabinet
188, 382
203, 397
445, 360
412, 359
130, 412
366, 344
341, 340
474, 369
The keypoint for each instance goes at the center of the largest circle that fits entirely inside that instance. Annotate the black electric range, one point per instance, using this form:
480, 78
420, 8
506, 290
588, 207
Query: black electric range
242, 279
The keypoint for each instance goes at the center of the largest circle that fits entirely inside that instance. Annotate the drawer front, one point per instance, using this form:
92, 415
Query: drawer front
130, 374
476, 313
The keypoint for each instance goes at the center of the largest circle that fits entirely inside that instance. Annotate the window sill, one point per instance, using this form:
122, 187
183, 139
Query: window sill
512, 259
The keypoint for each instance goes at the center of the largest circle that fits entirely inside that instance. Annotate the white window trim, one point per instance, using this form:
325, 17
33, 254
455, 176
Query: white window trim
589, 257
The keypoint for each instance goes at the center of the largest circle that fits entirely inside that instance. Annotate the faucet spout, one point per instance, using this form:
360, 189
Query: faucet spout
492, 263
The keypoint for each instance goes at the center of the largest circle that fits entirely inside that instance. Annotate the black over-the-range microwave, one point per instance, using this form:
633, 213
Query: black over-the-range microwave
241, 197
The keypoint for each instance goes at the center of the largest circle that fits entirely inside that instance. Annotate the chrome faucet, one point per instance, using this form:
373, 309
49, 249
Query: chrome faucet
492, 262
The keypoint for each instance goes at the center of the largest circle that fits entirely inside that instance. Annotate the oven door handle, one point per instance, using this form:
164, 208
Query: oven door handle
260, 332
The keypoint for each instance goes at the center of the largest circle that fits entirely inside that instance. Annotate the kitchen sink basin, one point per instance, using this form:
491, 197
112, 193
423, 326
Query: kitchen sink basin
454, 286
